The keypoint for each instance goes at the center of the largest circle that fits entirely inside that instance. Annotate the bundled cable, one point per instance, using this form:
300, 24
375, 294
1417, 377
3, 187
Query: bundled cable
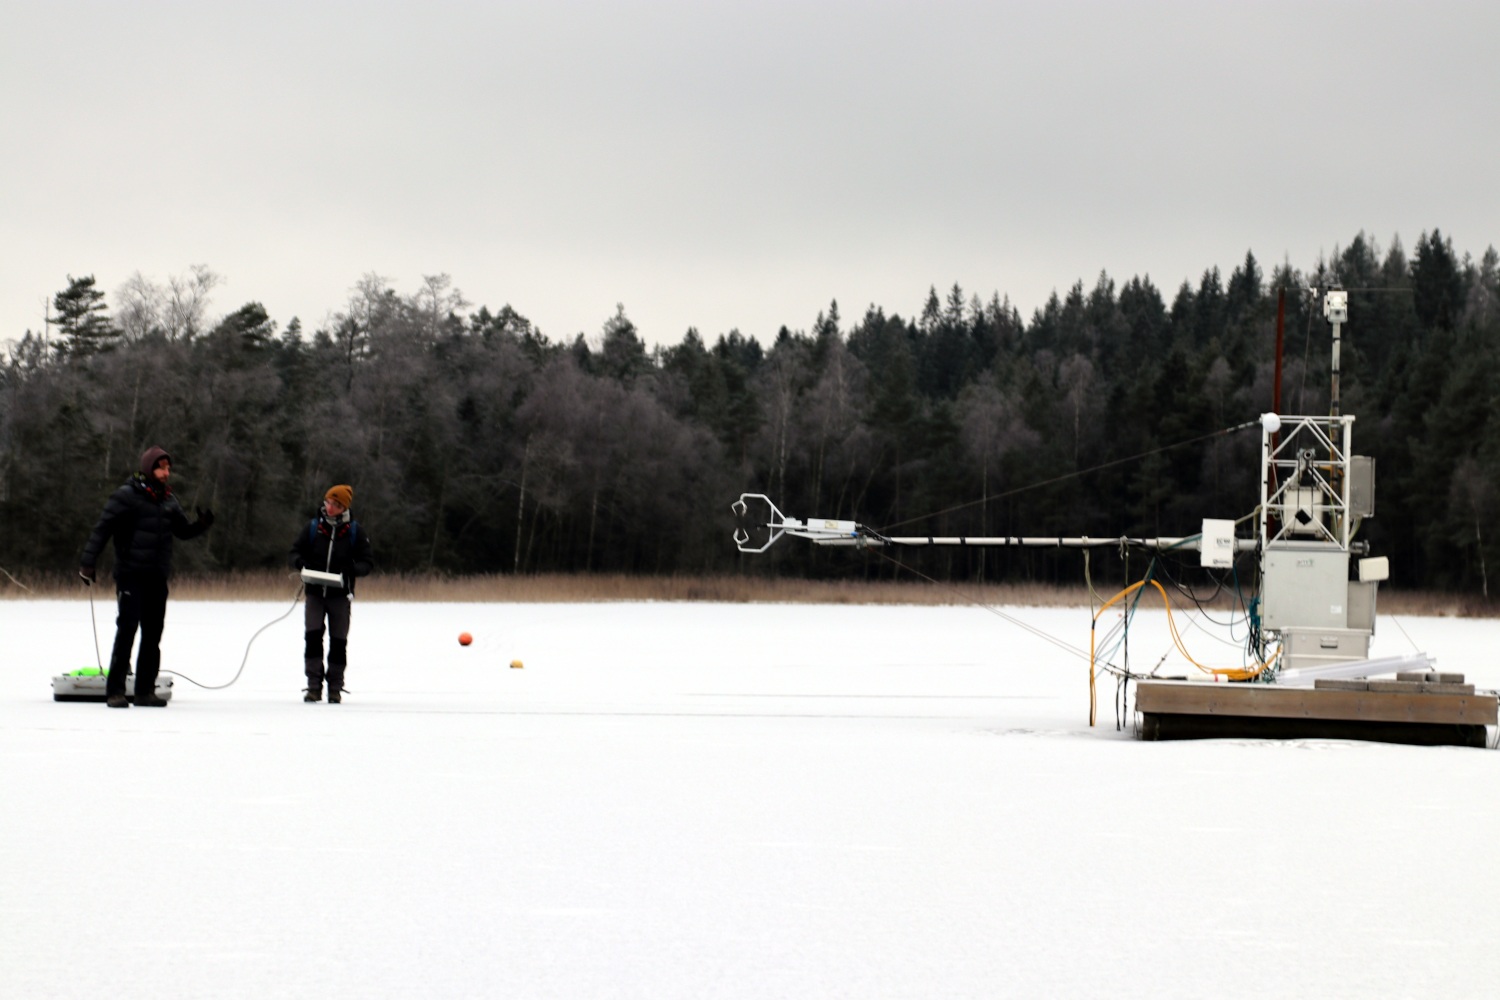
1230, 674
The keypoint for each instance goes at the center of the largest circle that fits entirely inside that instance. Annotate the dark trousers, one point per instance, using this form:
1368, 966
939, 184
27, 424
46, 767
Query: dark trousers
142, 605
333, 605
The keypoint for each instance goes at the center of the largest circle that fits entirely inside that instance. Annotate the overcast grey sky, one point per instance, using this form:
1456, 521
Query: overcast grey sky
726, 165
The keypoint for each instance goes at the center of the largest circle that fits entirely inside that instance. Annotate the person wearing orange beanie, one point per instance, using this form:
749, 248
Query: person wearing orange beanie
332, 543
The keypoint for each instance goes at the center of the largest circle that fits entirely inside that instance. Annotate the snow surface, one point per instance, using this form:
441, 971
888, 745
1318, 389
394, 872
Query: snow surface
688, 800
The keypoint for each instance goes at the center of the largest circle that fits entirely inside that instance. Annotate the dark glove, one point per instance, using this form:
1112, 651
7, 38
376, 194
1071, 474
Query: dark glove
86, 574
205, 517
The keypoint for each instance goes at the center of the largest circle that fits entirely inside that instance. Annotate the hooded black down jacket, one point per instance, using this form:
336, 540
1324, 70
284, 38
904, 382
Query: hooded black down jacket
142, 518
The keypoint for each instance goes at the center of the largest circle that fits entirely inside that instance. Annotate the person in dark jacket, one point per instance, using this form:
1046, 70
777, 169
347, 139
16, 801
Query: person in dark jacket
141, 517
333, 543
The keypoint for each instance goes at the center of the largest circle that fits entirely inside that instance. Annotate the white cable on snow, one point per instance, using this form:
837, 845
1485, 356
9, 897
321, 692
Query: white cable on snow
246, 659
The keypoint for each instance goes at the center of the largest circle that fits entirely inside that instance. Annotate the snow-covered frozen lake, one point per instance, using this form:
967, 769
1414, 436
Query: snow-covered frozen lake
702, 801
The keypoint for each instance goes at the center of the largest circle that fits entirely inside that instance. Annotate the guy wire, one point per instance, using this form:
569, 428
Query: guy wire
1066, 476
1039, 633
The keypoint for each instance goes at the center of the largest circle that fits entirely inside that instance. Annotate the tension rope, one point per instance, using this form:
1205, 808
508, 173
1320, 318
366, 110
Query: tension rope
1071, 475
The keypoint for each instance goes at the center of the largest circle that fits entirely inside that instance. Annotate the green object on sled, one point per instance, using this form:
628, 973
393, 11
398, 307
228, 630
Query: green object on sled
85, 672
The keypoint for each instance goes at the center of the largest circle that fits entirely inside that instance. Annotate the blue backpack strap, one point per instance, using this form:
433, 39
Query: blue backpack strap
312, 532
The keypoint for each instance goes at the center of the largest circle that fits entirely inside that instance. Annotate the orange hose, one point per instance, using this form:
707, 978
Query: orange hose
1233, 673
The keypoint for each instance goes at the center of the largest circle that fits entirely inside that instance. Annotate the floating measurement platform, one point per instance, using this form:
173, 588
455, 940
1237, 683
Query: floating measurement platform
1305, 668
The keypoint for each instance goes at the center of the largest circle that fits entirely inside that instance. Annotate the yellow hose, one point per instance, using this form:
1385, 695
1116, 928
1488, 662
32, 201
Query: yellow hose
1232, 673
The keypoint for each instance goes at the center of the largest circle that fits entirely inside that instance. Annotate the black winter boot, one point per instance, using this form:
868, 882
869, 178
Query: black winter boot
338, 659
313, 668
312, 665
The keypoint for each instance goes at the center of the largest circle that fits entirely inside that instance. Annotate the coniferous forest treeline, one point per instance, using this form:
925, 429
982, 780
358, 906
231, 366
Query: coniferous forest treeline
477, 445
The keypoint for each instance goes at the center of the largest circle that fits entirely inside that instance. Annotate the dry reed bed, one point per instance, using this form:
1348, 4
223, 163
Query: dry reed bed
584, 588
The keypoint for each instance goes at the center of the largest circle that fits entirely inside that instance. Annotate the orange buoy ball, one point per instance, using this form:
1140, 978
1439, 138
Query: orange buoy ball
464, 638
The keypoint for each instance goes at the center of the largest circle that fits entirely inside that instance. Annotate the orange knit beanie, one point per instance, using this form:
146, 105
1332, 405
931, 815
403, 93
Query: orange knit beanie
344, 495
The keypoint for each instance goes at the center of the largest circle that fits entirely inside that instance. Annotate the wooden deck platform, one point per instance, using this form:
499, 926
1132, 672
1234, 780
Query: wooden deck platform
1189, 710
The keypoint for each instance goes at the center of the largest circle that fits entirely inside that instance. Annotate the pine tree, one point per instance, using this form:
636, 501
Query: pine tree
83, 319
1437, 282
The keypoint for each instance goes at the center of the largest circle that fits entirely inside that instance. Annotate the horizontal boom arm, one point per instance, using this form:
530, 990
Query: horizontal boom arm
758, 531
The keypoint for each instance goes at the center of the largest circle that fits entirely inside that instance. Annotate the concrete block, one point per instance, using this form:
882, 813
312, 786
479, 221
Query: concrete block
1397, 687
1447, 688
1341, 684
